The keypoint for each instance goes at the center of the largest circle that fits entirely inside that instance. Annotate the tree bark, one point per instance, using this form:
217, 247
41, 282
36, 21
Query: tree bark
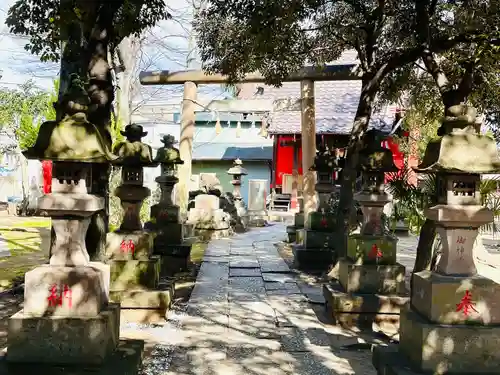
349, 172
424, 248
101, 93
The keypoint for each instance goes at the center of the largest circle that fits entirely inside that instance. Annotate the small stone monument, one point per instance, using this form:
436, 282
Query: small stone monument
169, 242
257, 195
314, 247
241, 219
372, 285
452, 325
135, 272
298, 223
67, 319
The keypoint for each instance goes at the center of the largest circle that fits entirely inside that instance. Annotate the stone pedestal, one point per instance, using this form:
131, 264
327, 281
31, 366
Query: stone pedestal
209, 221
135, 277
314, 244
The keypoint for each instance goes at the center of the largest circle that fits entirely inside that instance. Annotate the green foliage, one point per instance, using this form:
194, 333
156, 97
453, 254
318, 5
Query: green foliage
47, 22
23, 111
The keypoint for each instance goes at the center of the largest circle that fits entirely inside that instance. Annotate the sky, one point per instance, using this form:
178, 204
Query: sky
166, 48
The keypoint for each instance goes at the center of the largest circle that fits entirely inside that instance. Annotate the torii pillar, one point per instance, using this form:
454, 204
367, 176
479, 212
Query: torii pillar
186, 146
307, 76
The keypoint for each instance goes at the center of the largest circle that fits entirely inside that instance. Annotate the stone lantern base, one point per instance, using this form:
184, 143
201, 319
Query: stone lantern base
371, 286
298, 223
315, 244
135, 277
208, 219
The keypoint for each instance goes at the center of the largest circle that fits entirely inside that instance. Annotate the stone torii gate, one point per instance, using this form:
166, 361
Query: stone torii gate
306, 76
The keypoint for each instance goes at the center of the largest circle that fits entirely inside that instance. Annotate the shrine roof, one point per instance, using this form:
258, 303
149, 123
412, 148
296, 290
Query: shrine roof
336, 103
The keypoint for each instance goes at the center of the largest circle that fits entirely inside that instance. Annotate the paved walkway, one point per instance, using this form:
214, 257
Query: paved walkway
250, 314
247, 315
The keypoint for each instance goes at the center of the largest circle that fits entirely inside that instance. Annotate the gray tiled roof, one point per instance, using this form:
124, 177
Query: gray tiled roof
336, 104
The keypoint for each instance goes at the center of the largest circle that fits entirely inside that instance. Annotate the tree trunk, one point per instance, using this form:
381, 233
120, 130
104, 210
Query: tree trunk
424, 248
349, 172
101, 93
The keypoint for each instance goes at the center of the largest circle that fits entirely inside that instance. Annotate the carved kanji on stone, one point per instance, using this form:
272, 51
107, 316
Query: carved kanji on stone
56, 298
375, 252
466, 304
127, 246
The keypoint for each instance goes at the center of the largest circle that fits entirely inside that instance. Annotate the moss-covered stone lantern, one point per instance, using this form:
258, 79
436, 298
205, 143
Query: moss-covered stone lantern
67, 318
135, 271
237, 172
371, 285
315, 243
453, 309
170, 227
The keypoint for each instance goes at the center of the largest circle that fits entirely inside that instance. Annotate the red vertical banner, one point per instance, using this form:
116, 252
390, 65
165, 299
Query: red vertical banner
47, 176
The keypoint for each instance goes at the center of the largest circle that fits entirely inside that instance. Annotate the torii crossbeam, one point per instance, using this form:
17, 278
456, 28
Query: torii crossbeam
306, 76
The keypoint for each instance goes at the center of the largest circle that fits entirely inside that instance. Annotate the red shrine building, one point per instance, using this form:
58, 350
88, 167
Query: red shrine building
335, 107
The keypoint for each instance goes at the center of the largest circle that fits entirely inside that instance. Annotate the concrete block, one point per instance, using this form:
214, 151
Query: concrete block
371, 278
63, 340
129, 245
129, 274
299, 220
456, 300
364, 249
65, 291
158, 299
455, 349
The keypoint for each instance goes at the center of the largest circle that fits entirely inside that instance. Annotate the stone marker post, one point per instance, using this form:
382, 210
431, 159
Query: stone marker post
257, 195
314, 247
237, 171
169, 243
135, 271
372, 284
453, 324
67, 318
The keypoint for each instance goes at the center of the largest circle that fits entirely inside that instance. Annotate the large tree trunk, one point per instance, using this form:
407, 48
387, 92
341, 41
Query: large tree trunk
349, 172
101, 93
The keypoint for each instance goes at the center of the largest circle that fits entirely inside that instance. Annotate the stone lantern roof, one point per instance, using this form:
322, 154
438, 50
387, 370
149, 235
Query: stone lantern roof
73, 138
168, 154
326, 161
237, 169
132, 152
375, 158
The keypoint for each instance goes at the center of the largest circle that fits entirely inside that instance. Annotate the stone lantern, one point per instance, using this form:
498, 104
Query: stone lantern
315, 243
67, 319
371, 285
237, 172
453, 309
134, 270
169, 242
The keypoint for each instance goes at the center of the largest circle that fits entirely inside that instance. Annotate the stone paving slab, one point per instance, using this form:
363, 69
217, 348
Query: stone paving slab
244, 272
279, 277
241, 261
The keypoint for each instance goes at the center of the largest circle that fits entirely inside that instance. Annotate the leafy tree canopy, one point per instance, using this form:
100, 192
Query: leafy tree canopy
23, 111
276, 38
46, 22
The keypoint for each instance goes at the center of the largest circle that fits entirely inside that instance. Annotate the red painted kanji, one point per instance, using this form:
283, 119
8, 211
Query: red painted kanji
324, 222
375, 252
56, 299
466, 304
461, 240
127, 246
